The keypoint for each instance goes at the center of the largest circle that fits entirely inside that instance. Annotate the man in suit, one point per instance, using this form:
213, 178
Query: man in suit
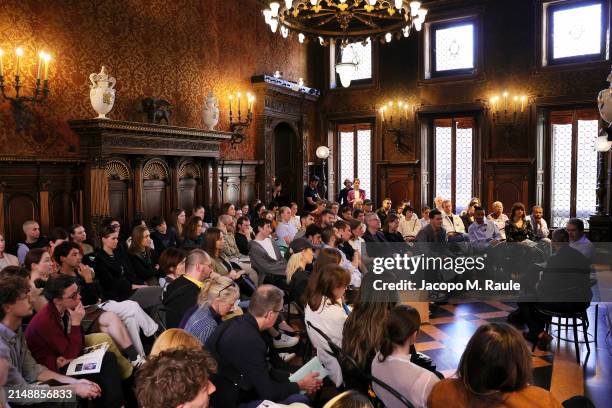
240, 348
373, 232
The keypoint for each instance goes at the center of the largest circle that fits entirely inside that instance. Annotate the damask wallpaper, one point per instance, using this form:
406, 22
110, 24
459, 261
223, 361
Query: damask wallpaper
177, 50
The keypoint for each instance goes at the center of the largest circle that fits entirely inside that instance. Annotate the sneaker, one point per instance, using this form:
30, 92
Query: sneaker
286, 356
138, 362
285, 341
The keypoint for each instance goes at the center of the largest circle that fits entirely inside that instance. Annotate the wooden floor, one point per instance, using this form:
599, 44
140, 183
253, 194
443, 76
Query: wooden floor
451, 326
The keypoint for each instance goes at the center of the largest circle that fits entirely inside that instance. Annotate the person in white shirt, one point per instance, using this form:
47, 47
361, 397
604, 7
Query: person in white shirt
285, 230
325, 311
409, 225
392, 363
331, 238
452, 223
357, 230
577, 239
538, 223
499, 218
483, 233
295, 219
424, 216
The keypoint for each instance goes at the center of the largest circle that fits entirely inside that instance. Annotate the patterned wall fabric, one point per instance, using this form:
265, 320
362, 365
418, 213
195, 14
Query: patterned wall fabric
177, 50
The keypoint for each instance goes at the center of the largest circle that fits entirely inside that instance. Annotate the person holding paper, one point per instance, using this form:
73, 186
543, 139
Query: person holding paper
240, 348
23, 370
55, 338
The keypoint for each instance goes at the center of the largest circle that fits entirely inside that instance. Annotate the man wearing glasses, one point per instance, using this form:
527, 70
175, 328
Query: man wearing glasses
182, 293
55, 338
241, 348
23, 370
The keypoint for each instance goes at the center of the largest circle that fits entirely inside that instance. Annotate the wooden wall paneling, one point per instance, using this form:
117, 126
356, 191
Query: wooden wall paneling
43, 199
399, 181
120, 203
20, 207
62, 210
156, 188
138, 186
509, 182
2, 226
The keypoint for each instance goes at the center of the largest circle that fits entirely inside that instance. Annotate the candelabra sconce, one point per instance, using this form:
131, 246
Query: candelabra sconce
507, 109
395, 123
239, 125
21, 112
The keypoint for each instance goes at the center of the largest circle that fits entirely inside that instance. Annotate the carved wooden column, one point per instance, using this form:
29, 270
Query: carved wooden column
96, 195
2, 188
600, 223
214, 198
174, 166
138, 186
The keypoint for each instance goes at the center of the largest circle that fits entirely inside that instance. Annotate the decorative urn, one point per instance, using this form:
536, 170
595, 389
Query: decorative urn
102, 92
604, 102
211, 111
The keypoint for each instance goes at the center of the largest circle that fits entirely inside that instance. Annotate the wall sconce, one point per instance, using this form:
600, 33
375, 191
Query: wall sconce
22, 115
506, 108
239, 127
394, 117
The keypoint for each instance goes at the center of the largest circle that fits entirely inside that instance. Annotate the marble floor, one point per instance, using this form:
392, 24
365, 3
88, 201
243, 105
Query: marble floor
451, 326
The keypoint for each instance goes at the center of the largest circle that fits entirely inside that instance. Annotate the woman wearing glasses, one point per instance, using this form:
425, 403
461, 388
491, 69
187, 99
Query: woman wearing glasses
216, 300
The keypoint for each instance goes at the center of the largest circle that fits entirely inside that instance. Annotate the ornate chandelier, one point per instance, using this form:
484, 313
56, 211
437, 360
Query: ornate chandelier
346, 20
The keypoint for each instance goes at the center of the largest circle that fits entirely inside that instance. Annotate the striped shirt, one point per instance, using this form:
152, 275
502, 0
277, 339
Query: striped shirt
203, 323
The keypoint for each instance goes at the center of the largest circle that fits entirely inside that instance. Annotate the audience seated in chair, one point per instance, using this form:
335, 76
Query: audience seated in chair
241, 351
23, 371
483, 232
176, 224
518, 228
452, 223
33, 239
424, 220
495, 370
578, 240
392, 363
390, 229
182, 293
499, 218
243, 235
39, 265
171, 266
373, 233
123, 321
265, 256
6, 259
177, 378
433, 232
331, 239
78, 235
384, 210
298, 273
217, 299
193, 233
409, 225
175, 338
285, 230
564, 287
55, 338
467, 215
325, 310
140, 255
349, 399
162, 237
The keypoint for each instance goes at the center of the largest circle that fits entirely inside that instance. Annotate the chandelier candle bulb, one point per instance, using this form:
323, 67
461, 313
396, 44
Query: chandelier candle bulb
47, 58
230, 105
523, 98
239, 95
274, 6
505, 95
19, 53
41, 57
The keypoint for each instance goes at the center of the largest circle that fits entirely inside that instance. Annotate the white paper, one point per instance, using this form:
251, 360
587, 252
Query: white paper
90, 362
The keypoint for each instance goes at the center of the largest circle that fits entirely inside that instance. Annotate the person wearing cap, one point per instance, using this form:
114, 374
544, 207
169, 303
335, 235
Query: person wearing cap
409, 225
298, 271
311, 194
367, 206
343, 194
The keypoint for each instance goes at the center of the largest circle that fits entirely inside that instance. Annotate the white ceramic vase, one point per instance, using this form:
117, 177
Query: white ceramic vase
211, 111
102, 92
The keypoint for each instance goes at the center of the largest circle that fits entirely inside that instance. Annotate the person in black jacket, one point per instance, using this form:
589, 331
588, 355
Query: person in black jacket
182, 293
141, 255
240, 349
162, 236
112, 267
243, 234
390, 229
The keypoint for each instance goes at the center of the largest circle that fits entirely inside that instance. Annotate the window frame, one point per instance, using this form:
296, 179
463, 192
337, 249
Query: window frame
436, 26
577, 112
356, 125
548, 46
333, 79
475, 152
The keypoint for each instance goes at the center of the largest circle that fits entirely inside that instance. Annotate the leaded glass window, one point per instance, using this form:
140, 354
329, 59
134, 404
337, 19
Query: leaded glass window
355, 154
573, 165
576, 31
454, 48
454, 160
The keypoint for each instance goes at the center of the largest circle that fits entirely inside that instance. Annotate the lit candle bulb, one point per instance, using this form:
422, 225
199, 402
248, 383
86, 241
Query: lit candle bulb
515, 104
406, 110
523, 99
19, 53
505, 95
248, 102
41, 57
382, 113
231, 97
47, 58
239, 95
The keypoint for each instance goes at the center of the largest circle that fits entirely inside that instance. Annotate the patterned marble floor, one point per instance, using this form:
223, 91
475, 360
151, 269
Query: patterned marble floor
452, 325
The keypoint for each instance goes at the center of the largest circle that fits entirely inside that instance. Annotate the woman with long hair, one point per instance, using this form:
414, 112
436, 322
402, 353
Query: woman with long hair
213, 246
38, 263
325, 310
217, 299
357, 231
77, 234
193, 233
392, 363
518, 228
176, 223
140, 255
467, 215
297, 269
390, 228
494, 371
171, 265
364, 329
5, 258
